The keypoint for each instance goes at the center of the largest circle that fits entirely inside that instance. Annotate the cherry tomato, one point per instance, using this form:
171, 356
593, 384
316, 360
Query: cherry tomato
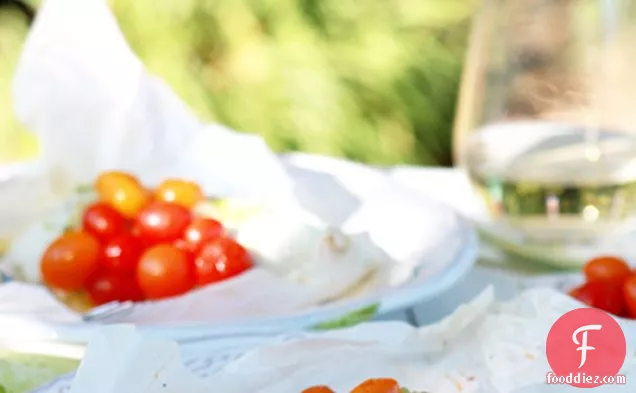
163, 222
181, 192
220, 259
200, 231
181, 245
574, 292
606, 269
135, 231
629, 293
318, 389
70, 260
107, 176
123, 192
103, 221
378, 385
164, 271
121, 254
604, 295
108, 287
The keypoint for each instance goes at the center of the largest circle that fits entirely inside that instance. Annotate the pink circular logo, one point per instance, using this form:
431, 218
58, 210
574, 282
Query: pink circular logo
585, 347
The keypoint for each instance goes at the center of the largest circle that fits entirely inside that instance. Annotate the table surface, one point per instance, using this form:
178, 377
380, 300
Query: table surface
506, 279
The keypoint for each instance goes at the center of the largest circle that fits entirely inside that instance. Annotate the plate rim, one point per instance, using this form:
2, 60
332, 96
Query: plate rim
394, 299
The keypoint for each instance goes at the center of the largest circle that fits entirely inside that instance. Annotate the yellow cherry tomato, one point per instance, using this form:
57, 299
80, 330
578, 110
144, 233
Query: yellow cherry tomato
181, 192
123, 192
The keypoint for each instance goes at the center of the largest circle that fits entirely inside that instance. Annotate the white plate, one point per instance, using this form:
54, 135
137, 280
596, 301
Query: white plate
451, 256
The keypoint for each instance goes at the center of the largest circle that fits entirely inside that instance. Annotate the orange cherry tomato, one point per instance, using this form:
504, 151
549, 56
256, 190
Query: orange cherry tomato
606, 269
220, 259
103, 221
162, 222
378, 385
164, 271
604, 295
629, 294
70, 260
123, 192
199, 232
181, 192
107, 287
318, 389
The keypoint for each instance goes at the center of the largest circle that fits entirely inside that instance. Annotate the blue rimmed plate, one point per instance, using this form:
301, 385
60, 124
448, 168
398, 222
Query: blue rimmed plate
450, 254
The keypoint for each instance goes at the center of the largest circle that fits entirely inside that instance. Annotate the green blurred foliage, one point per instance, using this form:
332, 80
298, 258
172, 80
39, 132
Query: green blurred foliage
15, 143
372, 80
22, 373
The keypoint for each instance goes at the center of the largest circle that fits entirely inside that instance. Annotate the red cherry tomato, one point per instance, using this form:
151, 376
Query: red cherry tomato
220, 259
200, 231
629, 294
135, 231
604, 295
606, 269
164, 271
121, 254
574, 292
163, 222
181, 245
70, 260
108, 287
103, 221
378, 385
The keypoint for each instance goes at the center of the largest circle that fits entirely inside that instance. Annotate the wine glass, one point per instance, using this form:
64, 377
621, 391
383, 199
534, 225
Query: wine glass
546, 127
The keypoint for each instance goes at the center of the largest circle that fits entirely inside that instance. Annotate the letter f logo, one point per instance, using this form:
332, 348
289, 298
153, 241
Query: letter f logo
583, 344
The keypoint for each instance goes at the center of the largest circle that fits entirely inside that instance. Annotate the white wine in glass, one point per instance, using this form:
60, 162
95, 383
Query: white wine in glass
546, 126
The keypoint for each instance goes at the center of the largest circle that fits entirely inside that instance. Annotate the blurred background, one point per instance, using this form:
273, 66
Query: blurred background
374, 81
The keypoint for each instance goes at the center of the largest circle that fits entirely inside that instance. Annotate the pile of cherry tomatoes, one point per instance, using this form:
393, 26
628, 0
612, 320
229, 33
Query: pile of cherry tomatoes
610, 285
373, 385
139, 244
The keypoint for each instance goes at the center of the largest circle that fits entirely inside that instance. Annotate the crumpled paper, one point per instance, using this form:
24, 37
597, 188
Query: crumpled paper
276, 291
483, 347
94, 107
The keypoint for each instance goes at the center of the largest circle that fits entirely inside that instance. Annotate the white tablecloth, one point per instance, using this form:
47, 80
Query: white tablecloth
451, 186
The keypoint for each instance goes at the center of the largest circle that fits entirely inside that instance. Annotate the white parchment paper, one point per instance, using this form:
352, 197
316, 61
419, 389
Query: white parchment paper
485, 346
